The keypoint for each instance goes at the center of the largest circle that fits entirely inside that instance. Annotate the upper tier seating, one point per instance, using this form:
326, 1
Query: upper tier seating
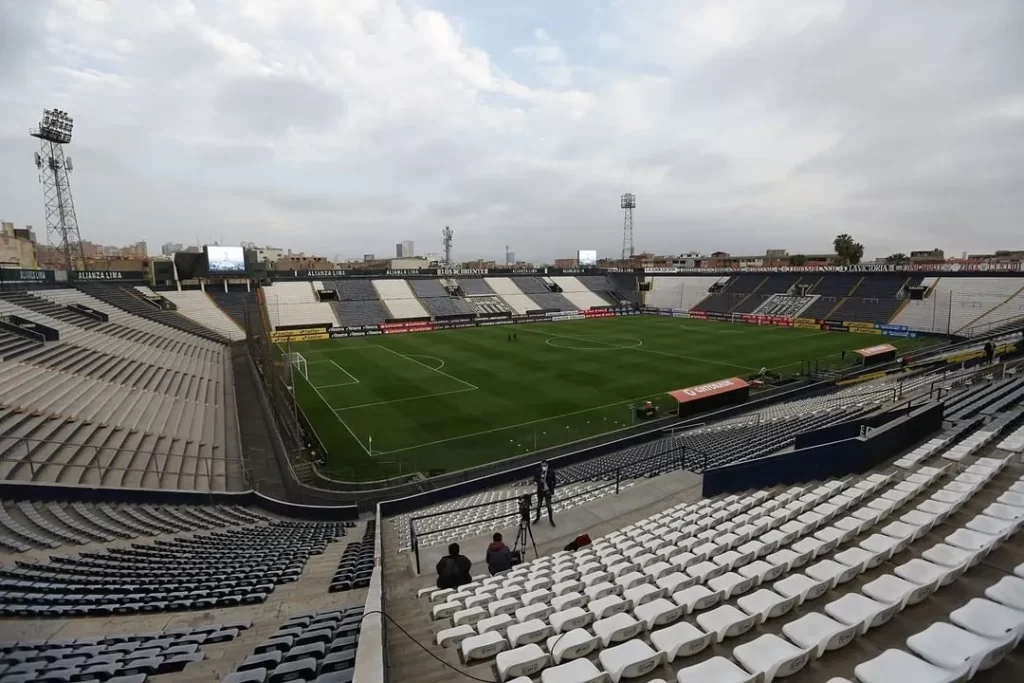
295, 303
767, 584
425, 289
474, 286
238, 305
128, 402
679, 293
761, 289
438, 302
127, 299
194, 304
958, 305
615, 289
510, 293
580, 295
354, 290
399, 299
530, 284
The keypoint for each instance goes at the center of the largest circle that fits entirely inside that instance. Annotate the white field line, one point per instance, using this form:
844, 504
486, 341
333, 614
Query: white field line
437, 370
407, 398
421, 355
659, 353
624, 403
354, 379
343, 423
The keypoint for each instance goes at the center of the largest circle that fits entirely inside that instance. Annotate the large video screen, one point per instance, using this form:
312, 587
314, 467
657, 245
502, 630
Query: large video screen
586, 257
225, 259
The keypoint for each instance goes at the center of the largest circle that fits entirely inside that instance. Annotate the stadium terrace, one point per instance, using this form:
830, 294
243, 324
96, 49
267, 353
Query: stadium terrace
215, 472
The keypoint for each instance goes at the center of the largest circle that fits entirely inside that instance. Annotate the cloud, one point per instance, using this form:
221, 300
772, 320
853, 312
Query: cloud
344, 127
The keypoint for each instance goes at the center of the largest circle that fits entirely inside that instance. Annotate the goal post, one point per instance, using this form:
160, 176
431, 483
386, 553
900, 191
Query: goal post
296, 362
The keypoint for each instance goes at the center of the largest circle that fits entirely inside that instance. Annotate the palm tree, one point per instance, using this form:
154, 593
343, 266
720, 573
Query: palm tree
897, 258
849, 251
797, 260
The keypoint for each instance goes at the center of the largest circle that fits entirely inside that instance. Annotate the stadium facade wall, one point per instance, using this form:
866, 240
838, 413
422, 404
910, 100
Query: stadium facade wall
834, 459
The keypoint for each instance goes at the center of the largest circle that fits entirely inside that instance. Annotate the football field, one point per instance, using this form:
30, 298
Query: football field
442, 401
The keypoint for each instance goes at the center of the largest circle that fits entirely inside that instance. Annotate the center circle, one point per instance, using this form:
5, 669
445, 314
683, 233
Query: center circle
586, 343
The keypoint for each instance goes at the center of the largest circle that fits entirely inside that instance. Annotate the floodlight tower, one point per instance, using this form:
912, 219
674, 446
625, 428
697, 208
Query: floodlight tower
54, 132
446, 236
627, 203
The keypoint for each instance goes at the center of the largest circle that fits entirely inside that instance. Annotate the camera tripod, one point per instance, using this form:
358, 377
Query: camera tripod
525, 532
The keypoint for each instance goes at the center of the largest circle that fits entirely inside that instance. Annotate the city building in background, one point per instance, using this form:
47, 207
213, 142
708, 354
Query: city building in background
170, 249
17, 246
405, 249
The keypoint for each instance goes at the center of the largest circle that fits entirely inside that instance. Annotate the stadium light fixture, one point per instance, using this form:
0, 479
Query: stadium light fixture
55, 126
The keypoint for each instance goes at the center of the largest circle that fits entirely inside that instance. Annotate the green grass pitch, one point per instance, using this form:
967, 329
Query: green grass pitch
453, 399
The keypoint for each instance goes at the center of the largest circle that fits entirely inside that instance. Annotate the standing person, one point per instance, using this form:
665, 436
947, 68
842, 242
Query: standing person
499, 557
515, 337
842, 355
990, 352
453, 569
544, 479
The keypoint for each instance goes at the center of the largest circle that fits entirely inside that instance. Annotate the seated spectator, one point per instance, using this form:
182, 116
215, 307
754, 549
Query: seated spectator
499, 557
453, 569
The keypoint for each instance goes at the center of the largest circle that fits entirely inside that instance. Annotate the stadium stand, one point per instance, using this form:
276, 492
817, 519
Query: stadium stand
129, 300
13, 345
438, 302
167, 575
875, 299
679, 293
510, 293
831, 290
957, 304
489, 305
579, 294
760, 289
128, 402
475, 286
296, 304
399, 299
351, 309
195, 304
356, 564
237, 304
614, 289
789, 305
825, 577
530, 284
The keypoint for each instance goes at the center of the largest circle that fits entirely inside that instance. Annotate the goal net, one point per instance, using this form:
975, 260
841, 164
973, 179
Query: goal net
296, 363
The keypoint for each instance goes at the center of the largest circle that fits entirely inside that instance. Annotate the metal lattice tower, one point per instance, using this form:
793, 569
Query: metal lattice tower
61, 224
446, 236
627, 203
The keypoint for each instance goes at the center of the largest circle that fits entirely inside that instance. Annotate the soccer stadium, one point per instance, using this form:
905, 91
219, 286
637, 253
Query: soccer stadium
212, 472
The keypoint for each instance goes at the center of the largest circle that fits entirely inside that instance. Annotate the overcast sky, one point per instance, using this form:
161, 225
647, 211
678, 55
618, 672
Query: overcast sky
343, 126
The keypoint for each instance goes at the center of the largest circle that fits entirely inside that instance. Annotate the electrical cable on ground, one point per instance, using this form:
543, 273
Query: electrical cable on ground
425, 649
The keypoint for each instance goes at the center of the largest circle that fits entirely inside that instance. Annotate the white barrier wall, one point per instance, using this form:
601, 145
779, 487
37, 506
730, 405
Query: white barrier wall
399, 298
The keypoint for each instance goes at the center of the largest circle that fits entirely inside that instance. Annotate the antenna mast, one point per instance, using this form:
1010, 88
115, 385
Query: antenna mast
446, 236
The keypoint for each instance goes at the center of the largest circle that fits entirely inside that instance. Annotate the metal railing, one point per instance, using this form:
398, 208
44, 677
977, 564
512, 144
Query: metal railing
676, 455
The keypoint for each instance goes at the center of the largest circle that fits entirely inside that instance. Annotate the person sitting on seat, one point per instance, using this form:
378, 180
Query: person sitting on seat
499, 557
453, 569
